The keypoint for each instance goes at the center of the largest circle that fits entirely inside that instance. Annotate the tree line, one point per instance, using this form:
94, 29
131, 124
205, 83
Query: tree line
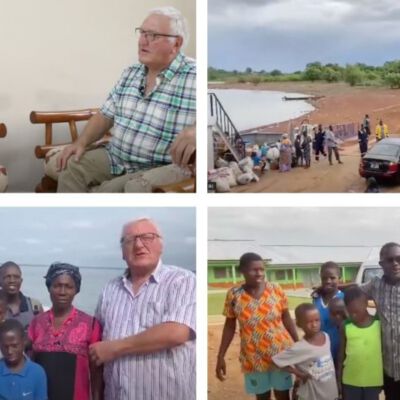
358, 74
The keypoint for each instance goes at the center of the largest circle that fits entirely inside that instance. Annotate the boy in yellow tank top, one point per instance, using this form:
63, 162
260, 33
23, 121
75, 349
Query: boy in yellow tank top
360, 366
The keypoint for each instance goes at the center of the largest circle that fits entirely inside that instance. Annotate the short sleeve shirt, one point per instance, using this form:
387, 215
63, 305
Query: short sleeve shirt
146, 125
262, 332
315, 360
168, 296
387, 300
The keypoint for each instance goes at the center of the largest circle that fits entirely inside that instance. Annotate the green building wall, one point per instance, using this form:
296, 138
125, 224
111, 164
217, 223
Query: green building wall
224, 273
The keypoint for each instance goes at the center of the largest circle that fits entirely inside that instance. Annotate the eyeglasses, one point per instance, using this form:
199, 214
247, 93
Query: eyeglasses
145, 238
152, 36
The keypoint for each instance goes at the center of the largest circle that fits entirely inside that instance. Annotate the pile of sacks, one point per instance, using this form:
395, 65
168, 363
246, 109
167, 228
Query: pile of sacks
229, 174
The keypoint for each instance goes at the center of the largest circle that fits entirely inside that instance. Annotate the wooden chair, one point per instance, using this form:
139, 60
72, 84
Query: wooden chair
185, 186
48, 118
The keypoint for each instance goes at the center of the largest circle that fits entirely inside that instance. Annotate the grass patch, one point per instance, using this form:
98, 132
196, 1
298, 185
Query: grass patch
216, 302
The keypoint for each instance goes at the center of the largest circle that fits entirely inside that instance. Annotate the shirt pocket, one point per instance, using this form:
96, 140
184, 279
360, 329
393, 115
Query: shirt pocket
152, 314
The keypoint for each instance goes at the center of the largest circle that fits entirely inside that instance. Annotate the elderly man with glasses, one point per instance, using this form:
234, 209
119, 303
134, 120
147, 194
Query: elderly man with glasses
148, 320
152, 111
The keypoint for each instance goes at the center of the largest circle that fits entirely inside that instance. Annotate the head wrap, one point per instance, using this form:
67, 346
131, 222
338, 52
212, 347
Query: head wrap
58, 268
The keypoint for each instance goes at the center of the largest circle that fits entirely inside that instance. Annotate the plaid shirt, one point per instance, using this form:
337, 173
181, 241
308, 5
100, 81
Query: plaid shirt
387, 300
146, 126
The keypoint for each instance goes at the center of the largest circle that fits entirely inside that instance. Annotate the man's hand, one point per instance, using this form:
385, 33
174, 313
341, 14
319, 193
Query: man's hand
184, 146
74, 148
220, 369
102, 352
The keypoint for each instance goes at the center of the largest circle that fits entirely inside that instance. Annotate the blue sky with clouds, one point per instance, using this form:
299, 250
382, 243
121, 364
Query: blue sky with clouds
288, 34
90, 236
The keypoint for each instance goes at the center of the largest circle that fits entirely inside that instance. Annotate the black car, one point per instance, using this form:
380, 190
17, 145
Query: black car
382, 160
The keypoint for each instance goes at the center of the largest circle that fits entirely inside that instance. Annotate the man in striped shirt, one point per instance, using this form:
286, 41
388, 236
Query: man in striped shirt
152, 109
385, 292
148, 320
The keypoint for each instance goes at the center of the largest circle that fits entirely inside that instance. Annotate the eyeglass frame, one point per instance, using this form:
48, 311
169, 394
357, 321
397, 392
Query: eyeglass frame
154, 35
131, 240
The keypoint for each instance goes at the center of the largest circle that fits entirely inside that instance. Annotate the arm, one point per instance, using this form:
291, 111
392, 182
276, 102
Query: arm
157, 338
341, 358
289, 325
227, 336
302, 376
40, 385
94, 130
184, 146
97, 383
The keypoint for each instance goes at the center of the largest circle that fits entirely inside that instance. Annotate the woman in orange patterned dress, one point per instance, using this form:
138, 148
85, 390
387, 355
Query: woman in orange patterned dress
266, 328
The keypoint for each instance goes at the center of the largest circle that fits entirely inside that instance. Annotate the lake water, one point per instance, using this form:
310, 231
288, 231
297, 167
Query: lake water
93, 281
253, 108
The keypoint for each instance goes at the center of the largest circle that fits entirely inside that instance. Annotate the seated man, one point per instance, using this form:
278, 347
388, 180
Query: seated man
152, 109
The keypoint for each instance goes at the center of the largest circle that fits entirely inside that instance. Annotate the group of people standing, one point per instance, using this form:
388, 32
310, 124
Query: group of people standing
345, 352
322, 141
364, 133
140, 343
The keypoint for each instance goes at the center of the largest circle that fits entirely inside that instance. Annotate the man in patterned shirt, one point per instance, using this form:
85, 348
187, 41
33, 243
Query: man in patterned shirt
148, 320
152, 109
385, 292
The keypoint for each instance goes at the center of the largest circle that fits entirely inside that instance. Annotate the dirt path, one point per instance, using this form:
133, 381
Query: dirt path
319, 178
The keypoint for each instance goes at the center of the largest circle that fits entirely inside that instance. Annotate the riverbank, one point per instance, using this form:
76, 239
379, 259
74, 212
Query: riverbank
340, 103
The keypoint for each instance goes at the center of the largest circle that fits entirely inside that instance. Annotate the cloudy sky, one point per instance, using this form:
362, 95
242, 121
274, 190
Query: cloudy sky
302, 234
288, 34
90, 236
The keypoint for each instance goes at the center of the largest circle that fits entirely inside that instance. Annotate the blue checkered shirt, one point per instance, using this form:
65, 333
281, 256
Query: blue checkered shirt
146, 126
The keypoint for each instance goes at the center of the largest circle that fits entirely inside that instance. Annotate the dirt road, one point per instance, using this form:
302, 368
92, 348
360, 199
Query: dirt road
319, 178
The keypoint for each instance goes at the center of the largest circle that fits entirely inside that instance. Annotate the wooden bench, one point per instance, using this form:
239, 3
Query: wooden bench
48, 118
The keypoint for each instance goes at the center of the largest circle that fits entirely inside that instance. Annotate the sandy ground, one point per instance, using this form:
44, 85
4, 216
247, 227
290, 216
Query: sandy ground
341, 104
233, 387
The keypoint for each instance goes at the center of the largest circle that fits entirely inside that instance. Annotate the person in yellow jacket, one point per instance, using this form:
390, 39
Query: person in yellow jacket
381, 131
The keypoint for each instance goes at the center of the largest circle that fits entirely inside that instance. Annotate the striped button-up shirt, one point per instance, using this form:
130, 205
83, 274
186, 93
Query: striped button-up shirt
387, 300
146, 125
168, 296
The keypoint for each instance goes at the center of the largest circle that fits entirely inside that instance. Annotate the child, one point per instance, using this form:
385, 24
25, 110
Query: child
330, 274
20, 378
310, 359
266, 328
337, 311
360, 369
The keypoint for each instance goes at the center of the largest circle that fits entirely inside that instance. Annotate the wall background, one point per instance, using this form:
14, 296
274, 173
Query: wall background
63, 55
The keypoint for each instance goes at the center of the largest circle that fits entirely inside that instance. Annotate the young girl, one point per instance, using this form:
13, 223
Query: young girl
330, 274
360, 367
310, 359
266, 329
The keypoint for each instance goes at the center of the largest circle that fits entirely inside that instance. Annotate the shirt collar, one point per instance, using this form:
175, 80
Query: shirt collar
175, 66
22, 372
23, 307
154, 277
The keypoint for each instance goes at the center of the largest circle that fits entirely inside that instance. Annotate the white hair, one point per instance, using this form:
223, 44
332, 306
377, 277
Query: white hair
136, 221
178, 23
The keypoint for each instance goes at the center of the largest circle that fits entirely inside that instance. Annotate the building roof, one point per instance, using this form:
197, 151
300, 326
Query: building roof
219, 250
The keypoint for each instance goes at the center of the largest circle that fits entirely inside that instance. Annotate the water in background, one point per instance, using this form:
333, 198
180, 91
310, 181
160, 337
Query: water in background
254, 108
93, 281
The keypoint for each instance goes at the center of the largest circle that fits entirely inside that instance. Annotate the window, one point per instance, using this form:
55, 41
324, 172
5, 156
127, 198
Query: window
290, 274
280, 275
220, 273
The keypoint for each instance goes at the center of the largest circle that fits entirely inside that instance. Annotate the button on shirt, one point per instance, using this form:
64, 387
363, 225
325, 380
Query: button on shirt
146, 125
28, 384
387, 300
168, 296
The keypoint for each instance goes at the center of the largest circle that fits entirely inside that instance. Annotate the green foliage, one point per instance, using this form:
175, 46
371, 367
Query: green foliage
393, 79
355, 74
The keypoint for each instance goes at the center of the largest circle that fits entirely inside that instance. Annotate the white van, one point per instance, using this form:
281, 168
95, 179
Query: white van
368, 270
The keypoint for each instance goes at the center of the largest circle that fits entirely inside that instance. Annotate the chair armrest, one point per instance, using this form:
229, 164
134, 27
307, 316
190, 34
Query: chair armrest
186, 186
3, 130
